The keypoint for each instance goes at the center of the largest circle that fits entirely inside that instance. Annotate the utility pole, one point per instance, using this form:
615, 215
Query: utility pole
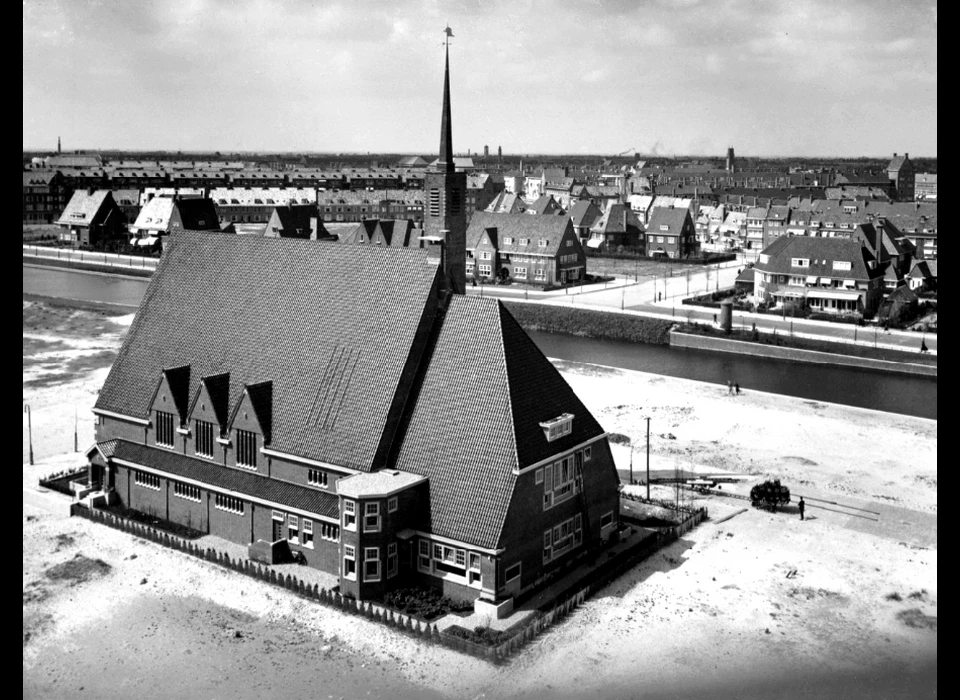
26, 409
648, 458
76, 447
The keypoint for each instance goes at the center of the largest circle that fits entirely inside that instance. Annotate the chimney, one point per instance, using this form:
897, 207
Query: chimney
906, 155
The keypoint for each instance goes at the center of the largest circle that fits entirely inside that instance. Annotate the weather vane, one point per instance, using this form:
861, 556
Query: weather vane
449, 34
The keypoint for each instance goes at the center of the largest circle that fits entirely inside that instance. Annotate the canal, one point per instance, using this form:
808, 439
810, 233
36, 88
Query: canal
895, 393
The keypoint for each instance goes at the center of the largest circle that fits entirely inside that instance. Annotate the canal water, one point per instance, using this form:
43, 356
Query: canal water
883, 391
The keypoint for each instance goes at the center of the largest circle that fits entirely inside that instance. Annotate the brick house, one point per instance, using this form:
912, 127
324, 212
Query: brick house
618, 227
541, 250
296, 221
902, 177
671, 232
401, 434
92, 219
161, 216
834, 275
44, 196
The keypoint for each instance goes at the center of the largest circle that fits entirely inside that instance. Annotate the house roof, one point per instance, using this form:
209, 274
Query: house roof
85, 208
822, 253
584, 213
618, 218
507, 203
217, 476
247, 305
532, 229
486, 391
670, 217
897, 162
297, 220
545, 204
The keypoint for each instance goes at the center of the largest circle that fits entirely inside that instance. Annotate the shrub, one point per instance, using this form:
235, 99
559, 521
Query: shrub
769, 494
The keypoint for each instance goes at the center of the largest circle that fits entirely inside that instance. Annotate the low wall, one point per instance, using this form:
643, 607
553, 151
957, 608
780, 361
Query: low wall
50, 501
89, 267
679, 339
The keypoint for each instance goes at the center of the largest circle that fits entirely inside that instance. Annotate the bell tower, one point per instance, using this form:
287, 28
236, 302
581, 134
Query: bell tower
445, 191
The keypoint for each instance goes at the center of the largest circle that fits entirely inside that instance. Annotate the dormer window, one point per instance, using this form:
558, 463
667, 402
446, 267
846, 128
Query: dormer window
800, 262
557, 427
542, 242
508, 241
524, 241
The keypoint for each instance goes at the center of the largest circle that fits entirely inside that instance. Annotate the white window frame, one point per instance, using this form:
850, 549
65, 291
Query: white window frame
293, 529
318, 477
507, 578
146, 480
371, 516
329, 532
371, 555
307, 536
188, 492
349, 554
350, 515
485, 255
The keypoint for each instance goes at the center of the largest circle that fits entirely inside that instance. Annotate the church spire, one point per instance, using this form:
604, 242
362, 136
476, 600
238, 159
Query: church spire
445, 162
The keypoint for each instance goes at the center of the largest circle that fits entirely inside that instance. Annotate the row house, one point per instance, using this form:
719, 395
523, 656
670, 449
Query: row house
346, 439
835, 275
925, 187
753, 233
671, 232
44, 196
539, 250
348, 206
129, 203
545, 206
246, 205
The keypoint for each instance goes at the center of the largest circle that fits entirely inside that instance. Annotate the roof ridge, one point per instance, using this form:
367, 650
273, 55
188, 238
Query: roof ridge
501, 309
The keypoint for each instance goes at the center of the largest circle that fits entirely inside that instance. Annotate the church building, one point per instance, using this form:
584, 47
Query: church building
351, 404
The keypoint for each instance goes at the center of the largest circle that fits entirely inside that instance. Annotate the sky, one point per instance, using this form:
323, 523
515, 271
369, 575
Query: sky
660, 77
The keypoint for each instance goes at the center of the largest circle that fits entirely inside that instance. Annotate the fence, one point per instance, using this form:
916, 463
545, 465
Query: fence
494, 653
91, 258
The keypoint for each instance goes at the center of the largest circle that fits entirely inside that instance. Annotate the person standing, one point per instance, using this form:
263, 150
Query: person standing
801, 505
730, 387
736, 388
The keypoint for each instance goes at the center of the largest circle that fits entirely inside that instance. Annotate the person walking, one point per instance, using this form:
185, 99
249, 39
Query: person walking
714, 319
923, 345
801, 505
737, 388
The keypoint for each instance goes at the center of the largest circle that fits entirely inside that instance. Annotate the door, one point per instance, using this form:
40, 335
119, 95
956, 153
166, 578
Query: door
277, 530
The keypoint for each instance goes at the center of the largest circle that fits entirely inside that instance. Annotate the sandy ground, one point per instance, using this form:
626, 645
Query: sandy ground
756, 605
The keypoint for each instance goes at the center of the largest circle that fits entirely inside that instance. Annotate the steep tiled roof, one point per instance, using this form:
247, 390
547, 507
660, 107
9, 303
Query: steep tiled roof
672, 218
83, 207
533, 229
297, 220
584, 213
618, 218
507, 203
821, 252
220, 477
545, 204
248, 305
477, 418
896, 162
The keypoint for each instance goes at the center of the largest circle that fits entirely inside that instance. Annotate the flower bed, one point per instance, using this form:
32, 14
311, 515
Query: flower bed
423, 603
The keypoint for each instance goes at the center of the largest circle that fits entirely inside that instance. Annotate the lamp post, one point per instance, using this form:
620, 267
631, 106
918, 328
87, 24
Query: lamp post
76, 442
26, 409
648, 458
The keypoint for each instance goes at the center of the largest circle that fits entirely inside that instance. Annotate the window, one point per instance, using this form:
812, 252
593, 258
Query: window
423, 560
150, 481
350, 515
371, 517
246, 449
204, 438
800, 262
542, 243
485, 255
391, 559
371, 564
392, 505
569, 244
519, 272
484, 269
186, 491
512, 573
434, 202
587, 453
293, 529
841, 265
349, 562
606, 520
317, 477
659, 239
540, 274
562, 538
229, 504
507, 240
164, 429
524, 241
538, 476
329, 532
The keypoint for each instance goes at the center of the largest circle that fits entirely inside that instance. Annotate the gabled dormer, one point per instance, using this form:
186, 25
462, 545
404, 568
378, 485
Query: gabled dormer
251, 422
209, 414
169, 407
